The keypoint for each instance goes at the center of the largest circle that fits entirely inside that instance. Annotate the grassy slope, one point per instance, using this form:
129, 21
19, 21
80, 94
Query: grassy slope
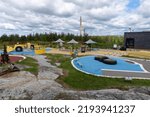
32, 63
81, 81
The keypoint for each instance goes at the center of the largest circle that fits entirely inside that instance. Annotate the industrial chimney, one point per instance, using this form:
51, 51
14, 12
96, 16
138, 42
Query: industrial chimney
81, 27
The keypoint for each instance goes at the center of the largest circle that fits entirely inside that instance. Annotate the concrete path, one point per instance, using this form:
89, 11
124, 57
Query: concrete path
137, 75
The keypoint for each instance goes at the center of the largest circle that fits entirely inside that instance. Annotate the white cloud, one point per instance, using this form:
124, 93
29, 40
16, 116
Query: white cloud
99, 16
7, 26
144, 7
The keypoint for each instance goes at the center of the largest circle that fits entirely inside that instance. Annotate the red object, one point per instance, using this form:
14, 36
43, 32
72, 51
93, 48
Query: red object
14, 58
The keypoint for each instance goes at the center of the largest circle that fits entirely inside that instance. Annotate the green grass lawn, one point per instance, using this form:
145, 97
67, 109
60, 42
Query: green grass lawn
32, 63
80, 81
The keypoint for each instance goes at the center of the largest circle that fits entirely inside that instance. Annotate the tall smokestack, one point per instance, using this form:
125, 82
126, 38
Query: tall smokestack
81, 27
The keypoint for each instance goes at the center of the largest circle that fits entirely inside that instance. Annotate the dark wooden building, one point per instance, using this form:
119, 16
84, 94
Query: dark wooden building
137, 40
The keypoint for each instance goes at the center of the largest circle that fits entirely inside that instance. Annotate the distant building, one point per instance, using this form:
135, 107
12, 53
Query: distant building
137, 40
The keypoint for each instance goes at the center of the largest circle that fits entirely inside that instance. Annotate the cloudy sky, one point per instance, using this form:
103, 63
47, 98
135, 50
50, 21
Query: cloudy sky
100, 17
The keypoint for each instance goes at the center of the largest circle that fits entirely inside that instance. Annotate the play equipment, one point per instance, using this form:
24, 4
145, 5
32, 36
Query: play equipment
38, 49
89, 65
105, 60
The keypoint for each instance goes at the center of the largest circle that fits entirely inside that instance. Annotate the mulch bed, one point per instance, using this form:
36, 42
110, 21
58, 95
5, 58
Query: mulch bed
14, 58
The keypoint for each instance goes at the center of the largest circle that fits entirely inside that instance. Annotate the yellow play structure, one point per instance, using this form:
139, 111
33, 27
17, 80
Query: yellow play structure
19, 48
39, 50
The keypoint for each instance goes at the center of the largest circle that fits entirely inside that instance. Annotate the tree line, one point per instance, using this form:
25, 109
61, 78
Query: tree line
45, 38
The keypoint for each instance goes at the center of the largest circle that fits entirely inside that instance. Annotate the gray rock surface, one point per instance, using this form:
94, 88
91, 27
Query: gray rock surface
24, 85
108, 94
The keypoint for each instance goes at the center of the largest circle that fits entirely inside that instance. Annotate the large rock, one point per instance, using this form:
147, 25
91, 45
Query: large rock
24, 85
107, 94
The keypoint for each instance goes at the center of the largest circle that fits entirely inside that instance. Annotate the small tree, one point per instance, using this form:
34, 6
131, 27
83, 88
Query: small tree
5, 56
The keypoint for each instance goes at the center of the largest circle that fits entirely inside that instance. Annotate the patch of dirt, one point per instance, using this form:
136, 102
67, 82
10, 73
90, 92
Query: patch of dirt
7, 74
65, 73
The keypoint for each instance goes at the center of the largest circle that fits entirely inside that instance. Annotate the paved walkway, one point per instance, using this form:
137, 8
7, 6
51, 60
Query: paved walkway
145, 63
